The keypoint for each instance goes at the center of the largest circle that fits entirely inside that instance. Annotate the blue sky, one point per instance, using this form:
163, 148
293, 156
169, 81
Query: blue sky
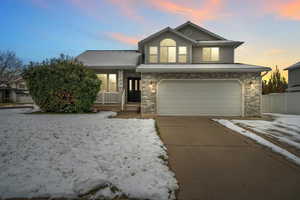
39, 29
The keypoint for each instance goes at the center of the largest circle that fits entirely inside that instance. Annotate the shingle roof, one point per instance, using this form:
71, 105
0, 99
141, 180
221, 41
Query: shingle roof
236, 67
294, 66
108, 59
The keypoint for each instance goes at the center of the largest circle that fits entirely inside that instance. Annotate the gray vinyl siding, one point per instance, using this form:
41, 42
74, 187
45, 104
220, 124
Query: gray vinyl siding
294, 77
226, 55
156, 42
195, 34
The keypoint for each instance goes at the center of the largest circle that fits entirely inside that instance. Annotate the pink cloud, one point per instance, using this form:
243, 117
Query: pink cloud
289, 9
128, 8
191, 10
123, 38
205, 12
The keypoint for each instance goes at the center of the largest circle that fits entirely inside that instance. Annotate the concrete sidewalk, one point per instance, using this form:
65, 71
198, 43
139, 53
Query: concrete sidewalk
212, 162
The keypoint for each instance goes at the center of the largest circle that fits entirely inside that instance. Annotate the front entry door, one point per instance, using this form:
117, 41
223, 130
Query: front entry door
134, 91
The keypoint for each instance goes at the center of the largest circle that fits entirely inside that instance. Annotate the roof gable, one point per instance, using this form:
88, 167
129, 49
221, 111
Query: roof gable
168, 29
196, 32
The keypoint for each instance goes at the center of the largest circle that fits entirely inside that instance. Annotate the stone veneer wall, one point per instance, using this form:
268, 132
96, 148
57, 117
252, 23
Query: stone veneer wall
251, 83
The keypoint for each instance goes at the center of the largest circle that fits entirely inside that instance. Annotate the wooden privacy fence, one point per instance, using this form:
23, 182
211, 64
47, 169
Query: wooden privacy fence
286, 103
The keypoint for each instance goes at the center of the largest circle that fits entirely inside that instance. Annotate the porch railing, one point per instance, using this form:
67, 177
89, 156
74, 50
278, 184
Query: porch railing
109, 97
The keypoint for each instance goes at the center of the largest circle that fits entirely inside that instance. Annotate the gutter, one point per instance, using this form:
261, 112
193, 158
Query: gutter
189, 70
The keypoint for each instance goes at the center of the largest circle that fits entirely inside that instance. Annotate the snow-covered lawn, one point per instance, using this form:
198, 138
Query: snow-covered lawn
74, 155
285, 128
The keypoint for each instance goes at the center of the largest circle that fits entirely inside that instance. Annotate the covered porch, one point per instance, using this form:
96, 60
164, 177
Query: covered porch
120, 90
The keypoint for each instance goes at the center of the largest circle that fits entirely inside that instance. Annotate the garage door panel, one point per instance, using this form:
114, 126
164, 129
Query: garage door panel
199, 97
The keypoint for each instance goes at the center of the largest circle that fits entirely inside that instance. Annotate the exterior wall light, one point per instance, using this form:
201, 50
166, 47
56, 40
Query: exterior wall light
251, 84
151, 86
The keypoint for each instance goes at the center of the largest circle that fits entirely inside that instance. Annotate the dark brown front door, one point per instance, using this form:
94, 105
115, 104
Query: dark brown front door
133, 88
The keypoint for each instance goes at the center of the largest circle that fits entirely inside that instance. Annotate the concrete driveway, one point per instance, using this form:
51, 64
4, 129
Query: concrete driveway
212, 162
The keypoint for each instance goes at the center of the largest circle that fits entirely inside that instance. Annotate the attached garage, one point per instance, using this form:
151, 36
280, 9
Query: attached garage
199, 97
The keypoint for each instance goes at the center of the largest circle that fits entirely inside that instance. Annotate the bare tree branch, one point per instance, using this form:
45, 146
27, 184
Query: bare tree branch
10, 67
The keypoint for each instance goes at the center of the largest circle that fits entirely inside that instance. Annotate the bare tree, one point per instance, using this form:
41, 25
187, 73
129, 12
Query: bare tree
10, 67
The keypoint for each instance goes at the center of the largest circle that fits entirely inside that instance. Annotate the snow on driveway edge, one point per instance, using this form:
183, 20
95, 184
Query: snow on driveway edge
259, 139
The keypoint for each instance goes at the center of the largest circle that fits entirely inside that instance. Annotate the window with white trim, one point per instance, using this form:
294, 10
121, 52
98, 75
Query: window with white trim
182, 54
168, 51
153, 54
108, 82
210, 54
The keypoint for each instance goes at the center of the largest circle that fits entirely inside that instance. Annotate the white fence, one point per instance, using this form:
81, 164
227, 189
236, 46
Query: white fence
288, 103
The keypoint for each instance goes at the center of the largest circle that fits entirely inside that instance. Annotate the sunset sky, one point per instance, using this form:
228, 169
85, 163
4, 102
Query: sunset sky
38, 29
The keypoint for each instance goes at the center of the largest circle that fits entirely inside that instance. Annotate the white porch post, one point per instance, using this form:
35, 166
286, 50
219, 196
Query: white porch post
120, 80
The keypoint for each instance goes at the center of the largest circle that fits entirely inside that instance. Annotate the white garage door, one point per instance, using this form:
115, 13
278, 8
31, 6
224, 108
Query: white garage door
199, 97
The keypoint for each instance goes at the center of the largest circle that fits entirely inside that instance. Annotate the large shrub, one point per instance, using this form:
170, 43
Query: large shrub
62, 85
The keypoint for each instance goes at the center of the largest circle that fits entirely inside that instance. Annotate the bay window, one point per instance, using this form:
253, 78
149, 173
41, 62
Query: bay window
108, 82
210, 54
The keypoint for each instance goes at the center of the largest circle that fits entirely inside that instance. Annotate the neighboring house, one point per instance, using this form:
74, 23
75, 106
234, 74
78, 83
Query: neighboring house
294, 78
183, 71
15, 92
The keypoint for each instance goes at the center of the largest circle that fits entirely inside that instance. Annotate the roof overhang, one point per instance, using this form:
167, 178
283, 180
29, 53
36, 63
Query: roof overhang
294, 66
111, 67
231, 43
194, 68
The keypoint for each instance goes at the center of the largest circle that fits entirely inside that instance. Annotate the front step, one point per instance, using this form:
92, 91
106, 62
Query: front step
133, 107
117, 107
108, 107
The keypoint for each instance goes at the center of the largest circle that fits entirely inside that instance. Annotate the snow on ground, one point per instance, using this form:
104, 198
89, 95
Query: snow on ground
285, 128
70, 155
229, 124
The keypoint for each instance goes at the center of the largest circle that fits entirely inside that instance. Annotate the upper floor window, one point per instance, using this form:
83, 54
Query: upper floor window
153, 54
182, 54
211, 54
168, 51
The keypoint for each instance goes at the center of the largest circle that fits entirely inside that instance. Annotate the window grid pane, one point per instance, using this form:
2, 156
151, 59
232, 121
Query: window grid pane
153, 58
153, 50
182, 50
211, 54
182, 58
206, 54
182, 54
103, 78
171, 54
214, 54
163, 54
112, 82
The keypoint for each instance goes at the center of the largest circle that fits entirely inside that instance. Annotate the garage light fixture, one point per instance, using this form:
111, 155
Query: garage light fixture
251, 84
151, 86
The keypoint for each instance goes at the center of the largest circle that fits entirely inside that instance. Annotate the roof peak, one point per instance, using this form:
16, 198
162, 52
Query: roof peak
199, 28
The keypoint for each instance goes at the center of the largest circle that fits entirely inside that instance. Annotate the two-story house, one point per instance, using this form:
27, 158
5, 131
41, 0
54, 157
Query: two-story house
187, 70
294, 77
